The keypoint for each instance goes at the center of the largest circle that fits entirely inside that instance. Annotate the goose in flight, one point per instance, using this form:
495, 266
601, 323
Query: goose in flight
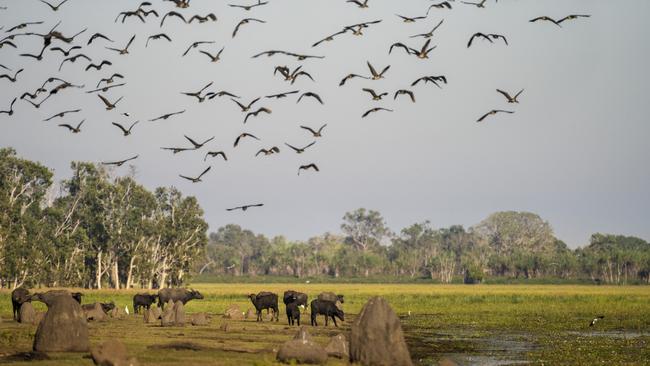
373, 110
271, 151
375, 75
165, 116
128, 14
545, 18
125, 50
361, 4
477, 35
214, 58
430, 33
213, 154
493, 112
7, 43
431, 79
212, 95
300, 150
22, 26
110, 79
120, 162
254, 114
310, 94
291, 76
478, 5
172, 14
421, 53
442, 5
125, 131
243, 135
64, 52
38, 105
375, 96
10, 112
315, 133
183, 4
73, 59
572, 17
245, 108
510, 99
409, 19
203, 19
96, 36
54, 7
109, 105
307, 167
196, 144
62, 114
405, 92
245, 21
329, 38
176, 150
593, 322
245, 207
195, 45
248, 7
351, 76
282, 95
197, 179
156, 37
73, 129
197, 94
105, 88
98, 66
37, 57
10, 78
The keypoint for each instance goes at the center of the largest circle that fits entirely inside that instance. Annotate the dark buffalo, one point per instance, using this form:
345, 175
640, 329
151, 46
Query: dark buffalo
265, 300
293, 312
106, 306
295, 296
18, 297
177, 294
330, 296
143, 300
327, 308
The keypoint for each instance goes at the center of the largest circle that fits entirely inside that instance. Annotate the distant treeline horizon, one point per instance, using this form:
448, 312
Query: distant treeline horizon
105, 231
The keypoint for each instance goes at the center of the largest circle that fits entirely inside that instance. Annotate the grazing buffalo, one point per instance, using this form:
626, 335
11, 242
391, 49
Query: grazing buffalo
18, 297
143, 300
327, 308
265, 300
294, 296
293, 312
177, 294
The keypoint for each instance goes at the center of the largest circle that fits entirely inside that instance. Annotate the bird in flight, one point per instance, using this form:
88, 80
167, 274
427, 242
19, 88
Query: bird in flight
431, 79
97, 35
409, 19
156, 37
183, 4
493, 112
110, 79
330, 37
271, 151
307, 167
375, 74
245, 108
430, 33
310, 94
61, 114
254, 114
361, 4
315, 133
248, 7
73, 59
109, 105
510, 98
245, 21
282, 95
10, 78
214, 154
105, 88
125, 131
245, 134
11, 108
593, 322
291, 76
197, 179
203, 19
300, 150
373, 110
165, 116
558, 22
197, 94
196, 144
64, 52
374, 94
73, 129
245, 207
442, 5
54, 7
478, 5
351, 76
176, 150
572, 17
214, 58
195, 45
404, 92
477, 35
172, 14
125, 50
120, 162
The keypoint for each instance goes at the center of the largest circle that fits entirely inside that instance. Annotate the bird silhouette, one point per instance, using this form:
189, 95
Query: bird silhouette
245, 21
373, 110
243, 135
124, 50
374, 94
404, 92
62, 114
98, 66
195, 45
65, 53
203, 19
10, 78
215, 154
442, 5
282, 95
410, 19
110, 79
73, 129
107, 103
120, 162
254, 114
197, 179
214, 58
361, 4
248, 7
300, 150
375, 74
315, 133
310, 94
157, 36
477, 35
593, 322
478, 5
271, 151
247, 107
11, 108
196, 144
351, 76
125, 131
245, 207
510, 98
430, 33
96, 36
307, 167
165, 116
493, 112
172, 14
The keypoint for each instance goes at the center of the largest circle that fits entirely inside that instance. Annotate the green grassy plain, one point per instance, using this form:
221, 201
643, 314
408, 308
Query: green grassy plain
483, 324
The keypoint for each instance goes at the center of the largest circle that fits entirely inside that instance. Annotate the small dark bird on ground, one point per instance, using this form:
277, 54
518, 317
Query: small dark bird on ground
73, 129
214, 154
593, 322
165, 116
510, 98
120, 162
125, 131
197, 179
307, 167
315, 133
493, 112
245, 207
300, 150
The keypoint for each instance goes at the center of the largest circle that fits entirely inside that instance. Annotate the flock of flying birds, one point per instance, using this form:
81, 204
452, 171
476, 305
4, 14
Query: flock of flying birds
70, 49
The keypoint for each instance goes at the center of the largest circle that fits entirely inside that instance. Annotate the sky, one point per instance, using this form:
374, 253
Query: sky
575, 151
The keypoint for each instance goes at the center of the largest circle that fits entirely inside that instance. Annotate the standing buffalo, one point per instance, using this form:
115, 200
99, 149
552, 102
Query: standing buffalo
327, 308
293, 313
294, 296
177, 294
265, 300
143, 300
18, 297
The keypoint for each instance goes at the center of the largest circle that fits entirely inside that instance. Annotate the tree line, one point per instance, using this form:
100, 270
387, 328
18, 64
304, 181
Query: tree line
97, 230
505, 244
93, 230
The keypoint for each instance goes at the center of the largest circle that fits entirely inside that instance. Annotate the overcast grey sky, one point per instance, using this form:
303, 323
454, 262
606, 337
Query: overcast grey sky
575, 151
